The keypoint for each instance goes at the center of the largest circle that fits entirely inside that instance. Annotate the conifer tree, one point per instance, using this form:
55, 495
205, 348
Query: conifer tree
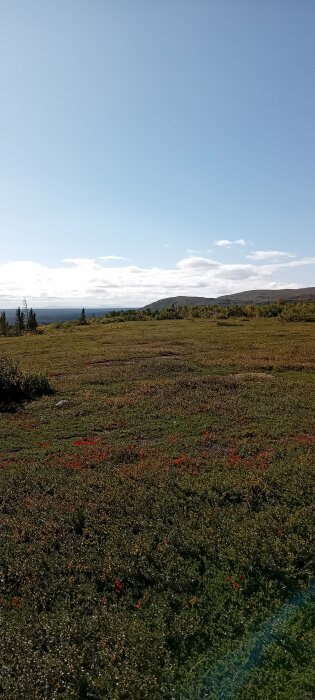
4, 326
32, 320
82, 319
19, 321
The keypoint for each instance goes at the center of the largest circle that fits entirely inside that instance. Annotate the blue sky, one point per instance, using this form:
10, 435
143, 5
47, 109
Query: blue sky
150, 130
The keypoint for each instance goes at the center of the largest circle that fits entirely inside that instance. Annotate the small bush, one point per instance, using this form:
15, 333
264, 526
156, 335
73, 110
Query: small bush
16, 386
11, 378
37, 385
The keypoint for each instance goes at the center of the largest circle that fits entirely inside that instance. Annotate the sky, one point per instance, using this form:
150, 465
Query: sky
151, 148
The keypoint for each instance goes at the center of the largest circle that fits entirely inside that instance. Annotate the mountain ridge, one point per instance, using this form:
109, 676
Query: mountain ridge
253, 296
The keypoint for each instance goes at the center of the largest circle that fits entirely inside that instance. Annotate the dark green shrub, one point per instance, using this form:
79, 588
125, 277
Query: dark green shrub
11, 379
16, 386
37, 385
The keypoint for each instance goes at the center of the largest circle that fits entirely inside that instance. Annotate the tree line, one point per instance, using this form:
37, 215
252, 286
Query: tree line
25, 322
281, 309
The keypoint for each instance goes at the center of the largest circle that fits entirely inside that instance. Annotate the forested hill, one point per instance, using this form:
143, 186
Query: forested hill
254, 296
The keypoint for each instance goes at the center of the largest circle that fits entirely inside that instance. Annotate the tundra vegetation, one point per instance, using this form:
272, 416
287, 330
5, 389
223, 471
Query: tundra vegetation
156, 511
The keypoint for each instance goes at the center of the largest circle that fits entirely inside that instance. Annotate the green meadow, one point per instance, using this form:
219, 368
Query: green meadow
156, 526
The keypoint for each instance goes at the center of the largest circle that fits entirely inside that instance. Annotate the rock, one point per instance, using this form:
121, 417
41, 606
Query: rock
61, 403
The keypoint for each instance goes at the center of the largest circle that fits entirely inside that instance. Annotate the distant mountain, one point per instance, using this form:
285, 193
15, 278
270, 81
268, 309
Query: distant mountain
254, 296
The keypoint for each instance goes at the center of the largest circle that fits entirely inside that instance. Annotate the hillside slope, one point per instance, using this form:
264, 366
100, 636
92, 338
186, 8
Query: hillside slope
254, 296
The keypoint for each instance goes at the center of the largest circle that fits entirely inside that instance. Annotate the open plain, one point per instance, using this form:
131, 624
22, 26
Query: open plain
156, 525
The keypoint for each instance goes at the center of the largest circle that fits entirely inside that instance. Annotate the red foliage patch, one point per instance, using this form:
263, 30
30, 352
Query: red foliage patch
84, 441
260, 460
71, 463
141, 602
15, 602
181, 459
79, 461
235, 585
234, 458
303, 439
205, 453
118, 585
6, 461
206, 435
25, 424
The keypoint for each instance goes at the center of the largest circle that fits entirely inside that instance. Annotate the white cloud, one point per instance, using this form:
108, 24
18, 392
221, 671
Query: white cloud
297, 263
270, 255
198, 263
111, 257
224, 242
93, 282
89, 261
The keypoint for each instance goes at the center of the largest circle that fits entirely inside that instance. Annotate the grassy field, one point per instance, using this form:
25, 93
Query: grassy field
156, 529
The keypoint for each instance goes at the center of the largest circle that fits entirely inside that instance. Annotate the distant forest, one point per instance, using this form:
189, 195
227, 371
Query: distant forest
282, 310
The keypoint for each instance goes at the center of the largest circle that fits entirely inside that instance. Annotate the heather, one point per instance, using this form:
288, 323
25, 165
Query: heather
156, 526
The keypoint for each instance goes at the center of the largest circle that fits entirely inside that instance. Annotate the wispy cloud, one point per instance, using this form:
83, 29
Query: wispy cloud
197, 263
111, 257
293, 263
270, 255
224, 242
88, 261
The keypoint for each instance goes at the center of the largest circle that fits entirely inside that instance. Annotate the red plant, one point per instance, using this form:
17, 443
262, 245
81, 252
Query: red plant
141, 601
84, 441
181, 459
304, 439
234, 458
118, 585
205, 453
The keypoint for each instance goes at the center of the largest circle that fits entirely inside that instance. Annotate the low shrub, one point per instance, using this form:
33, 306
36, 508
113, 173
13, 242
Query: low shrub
11, 378
37, 385
17, 386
